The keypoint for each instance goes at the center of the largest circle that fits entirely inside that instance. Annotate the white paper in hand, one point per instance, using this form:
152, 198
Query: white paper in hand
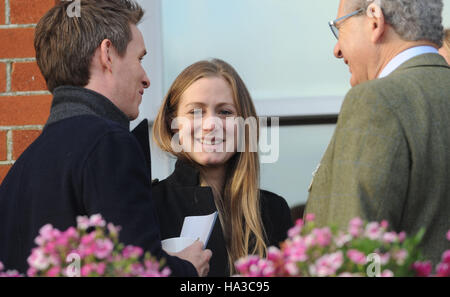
199, 227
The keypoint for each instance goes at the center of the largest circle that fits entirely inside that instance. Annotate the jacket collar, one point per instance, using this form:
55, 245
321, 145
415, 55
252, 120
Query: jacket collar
425, 60
70, 101
185, 174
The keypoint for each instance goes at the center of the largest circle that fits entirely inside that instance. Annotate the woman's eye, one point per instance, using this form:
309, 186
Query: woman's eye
196, 111
226, 112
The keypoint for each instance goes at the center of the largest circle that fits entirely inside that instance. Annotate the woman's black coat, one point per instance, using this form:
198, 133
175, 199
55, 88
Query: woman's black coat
180, 196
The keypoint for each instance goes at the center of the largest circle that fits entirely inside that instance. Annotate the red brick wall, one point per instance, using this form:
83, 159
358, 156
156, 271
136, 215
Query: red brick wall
24, 99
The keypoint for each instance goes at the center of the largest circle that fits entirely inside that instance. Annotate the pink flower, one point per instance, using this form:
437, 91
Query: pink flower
291, 268
104, 248
86, 270
401, 236
71, 233
400, 256
292, 232
423, 269
151, 265
113, 230
241, 265
101, 267
445, 257
310, 217
356, 222
137, 269
10, 273
355, 227
53, 245
356, 257
384, 224
45, 234
54, 271
387, 273
390, 237
266, 268
153, 271
443, 270
38, 260
32, 272
97, 221
50, 247
165, 272
327, 265
274, 254
62, 241
309, 240
345, 274
88, 239
83, 223
373, 231
1, 266
323, 236
247, 266
296, 251
384, 258
342, 239
132, 252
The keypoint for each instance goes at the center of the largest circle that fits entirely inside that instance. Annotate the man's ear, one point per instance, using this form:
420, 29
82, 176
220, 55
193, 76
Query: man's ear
377, 23
106, 55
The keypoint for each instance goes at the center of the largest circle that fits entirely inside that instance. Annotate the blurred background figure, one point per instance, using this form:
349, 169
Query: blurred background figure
445, 49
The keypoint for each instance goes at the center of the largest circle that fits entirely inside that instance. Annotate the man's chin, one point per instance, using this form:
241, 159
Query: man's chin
133, 116
354, 81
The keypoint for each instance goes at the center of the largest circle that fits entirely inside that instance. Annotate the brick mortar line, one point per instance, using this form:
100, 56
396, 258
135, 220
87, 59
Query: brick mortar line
9, 146
7, 13
17, 26
28, 93
17, 60
21, 128
7, 162
8, 77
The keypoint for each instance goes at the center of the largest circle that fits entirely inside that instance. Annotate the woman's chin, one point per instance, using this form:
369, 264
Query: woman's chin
211, 159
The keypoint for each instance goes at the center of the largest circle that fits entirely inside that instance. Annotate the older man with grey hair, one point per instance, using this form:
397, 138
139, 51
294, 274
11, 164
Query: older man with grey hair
389, 158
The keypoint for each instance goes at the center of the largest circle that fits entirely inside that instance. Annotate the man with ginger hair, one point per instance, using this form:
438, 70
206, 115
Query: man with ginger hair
86, 161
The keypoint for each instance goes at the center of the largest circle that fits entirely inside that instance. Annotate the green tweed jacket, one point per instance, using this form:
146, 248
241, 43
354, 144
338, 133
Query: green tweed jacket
389, 158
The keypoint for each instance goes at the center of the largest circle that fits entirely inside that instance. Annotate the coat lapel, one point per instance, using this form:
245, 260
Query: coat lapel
142, 135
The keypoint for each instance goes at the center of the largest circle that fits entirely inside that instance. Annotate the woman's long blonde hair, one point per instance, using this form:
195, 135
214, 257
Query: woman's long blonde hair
239, 202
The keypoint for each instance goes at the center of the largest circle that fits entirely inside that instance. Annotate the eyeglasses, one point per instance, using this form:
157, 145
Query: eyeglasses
333, 24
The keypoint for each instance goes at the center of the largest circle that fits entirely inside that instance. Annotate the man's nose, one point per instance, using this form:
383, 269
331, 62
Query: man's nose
337, 51
146, 82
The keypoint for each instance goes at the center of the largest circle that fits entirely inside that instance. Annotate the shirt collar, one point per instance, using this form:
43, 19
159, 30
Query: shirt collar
405, 56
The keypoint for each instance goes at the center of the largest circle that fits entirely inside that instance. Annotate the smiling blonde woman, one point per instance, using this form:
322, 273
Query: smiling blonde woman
210, 176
